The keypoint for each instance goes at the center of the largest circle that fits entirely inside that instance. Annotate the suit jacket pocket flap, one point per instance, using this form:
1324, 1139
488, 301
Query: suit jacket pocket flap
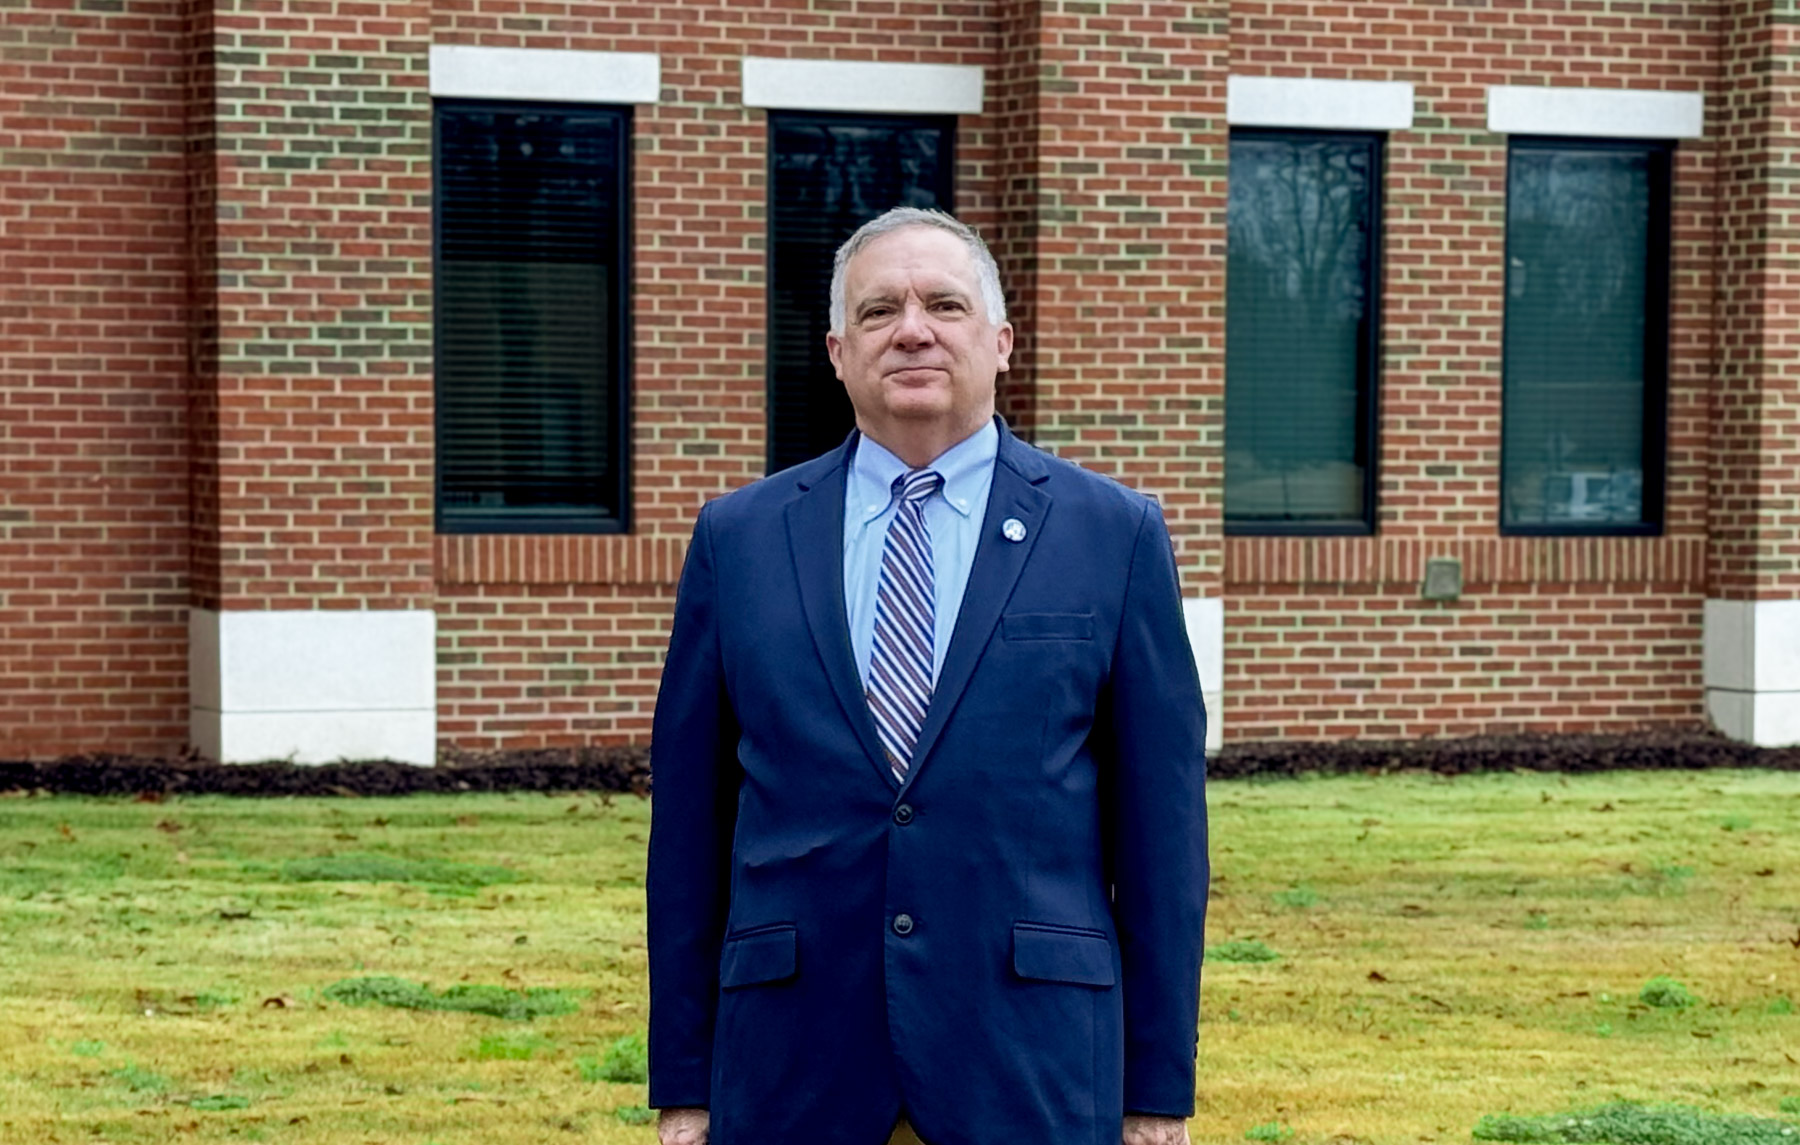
763, 956
1047, 626
1053, 954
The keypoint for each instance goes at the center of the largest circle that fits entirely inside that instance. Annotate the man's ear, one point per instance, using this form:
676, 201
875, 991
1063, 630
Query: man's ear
1004, 339
834, 346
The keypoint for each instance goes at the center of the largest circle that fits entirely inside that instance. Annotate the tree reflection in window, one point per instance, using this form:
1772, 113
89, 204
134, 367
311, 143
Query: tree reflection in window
829, 175
1300, 326
1586, 332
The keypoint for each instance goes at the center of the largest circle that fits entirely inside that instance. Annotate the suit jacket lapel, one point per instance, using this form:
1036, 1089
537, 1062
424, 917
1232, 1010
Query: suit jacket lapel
1018, 476
815, 525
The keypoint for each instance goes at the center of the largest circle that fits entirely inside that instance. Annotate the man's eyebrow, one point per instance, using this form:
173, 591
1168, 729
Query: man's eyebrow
949, 292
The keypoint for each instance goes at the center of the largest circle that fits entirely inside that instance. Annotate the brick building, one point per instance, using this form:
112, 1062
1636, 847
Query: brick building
363, 362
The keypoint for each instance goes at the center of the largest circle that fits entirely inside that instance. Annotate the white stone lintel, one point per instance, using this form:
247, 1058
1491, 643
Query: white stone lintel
1598, 113
551, 74
313, 686
853, 85
1326, 105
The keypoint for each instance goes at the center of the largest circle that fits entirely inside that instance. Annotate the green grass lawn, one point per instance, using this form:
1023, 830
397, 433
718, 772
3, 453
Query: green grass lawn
1407, 955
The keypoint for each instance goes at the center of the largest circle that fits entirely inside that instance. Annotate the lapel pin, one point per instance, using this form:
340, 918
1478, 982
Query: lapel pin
1013, 529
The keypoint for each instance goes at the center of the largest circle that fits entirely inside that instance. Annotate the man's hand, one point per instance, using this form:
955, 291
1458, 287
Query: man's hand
683, 1126
1141, 1130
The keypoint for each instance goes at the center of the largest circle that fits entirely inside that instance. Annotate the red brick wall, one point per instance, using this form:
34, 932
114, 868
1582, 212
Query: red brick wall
315, 439
1123, 194
699, 380
247, 328
93, 344
1375, 661
1443, 305
1756, 431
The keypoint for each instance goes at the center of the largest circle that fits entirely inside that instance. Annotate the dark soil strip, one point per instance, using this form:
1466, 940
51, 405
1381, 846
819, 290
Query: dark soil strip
628, 768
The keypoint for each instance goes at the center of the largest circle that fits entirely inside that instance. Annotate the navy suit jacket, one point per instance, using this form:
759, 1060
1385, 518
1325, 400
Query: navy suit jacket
1006, 945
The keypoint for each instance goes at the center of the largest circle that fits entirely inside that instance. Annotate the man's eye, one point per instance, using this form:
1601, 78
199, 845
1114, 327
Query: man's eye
948, 306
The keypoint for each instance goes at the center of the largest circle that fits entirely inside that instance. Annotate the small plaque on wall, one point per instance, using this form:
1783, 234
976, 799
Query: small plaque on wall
1443, 578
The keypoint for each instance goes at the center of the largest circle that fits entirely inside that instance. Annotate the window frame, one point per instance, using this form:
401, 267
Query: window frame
947, 122
615, 377
1658, 294
1367, 433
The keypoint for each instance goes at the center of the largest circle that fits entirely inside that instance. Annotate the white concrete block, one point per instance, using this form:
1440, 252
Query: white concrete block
327, 737
203, 662
1728, 645
314, 686
1605, 113
1331, 105
1733, 713
1205, 621
1777, 721
1777, 645
855, 85
551, 74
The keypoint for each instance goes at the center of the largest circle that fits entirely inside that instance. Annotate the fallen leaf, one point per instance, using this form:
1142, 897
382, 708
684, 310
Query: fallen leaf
1377, 976
168, 826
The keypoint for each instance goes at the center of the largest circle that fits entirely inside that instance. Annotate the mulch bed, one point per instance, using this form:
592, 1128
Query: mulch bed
627, 769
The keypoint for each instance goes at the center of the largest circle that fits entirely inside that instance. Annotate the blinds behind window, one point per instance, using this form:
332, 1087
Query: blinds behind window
1579, 295
528, 275
1299, 348
830, 175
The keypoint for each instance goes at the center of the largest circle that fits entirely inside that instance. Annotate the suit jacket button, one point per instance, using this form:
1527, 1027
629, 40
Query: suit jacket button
903, 924
903, 814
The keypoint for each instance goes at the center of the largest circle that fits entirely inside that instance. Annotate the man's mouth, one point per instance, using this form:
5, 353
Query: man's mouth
916, 375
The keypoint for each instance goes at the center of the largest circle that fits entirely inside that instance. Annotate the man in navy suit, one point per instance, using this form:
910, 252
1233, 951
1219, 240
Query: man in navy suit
928, 845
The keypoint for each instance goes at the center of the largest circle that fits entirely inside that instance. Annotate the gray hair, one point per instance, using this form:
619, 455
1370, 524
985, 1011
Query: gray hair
986, 273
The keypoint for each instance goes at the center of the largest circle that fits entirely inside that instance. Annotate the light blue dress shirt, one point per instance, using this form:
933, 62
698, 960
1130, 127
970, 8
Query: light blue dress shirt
953, 517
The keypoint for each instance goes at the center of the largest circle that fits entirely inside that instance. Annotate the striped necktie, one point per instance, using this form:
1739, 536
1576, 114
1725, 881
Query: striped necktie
905, 624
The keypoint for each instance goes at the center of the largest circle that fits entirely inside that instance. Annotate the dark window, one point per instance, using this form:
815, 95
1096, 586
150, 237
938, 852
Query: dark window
1300, 341
1587, 297
530, 319
830, 174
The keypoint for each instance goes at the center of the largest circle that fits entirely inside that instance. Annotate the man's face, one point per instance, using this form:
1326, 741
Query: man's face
917, 351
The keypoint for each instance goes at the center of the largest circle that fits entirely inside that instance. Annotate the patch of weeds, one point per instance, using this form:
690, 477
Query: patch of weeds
1664, 880
212, 1000
1603, 1030
1735, 823
1297, 897
626, 1060
634, 1115
1537, 922
140, 1080
1790, 1105
1268, 1131
434, 873
1253, 950
88, 1049
494, 1001
218, 1103
1779, 1007
1665, 993
510, 1047
1626, 1123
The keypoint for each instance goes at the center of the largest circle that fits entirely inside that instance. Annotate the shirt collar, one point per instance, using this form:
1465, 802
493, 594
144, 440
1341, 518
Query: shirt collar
962, 466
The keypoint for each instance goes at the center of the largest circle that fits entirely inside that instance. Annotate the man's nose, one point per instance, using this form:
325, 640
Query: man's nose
914, 329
